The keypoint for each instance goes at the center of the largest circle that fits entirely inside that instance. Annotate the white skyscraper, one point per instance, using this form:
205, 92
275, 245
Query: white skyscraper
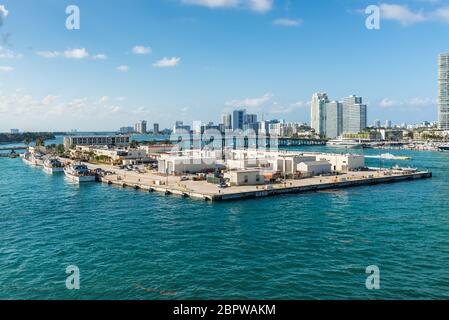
227, 120
354, 115
334, 119
443, 91
318, 113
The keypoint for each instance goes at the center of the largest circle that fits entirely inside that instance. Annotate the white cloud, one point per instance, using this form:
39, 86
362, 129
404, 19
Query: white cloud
99, 56
141, 50
76, 53
3, 11
412, 102
48, 100
103, 100
6, 53
401, 13
250, 102
123, 68
442, 14
167, 62
286, 22
254, 5
6, 69
48, 54
261, 5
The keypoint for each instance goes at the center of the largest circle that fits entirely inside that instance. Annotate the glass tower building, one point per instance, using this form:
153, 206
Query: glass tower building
443, 91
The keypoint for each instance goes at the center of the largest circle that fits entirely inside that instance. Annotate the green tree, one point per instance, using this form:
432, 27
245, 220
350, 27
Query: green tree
40, 142
26, 140
133, 144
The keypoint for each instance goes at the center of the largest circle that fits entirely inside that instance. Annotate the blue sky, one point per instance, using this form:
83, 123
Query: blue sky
167, 60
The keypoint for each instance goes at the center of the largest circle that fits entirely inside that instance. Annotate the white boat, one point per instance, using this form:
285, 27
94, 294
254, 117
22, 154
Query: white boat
79, 172
444, 148
388, 156
344, 143
33, 159
53, 165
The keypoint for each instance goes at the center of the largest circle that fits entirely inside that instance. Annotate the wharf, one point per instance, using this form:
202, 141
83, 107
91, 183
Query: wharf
154, 182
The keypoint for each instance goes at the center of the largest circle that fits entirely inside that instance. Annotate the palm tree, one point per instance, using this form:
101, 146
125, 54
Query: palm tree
26, 141
133, 144
40, 142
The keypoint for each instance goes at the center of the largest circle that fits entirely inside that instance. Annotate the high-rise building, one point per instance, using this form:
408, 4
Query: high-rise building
226, 119
250, 119
354, 115
156, 128
377, 124
238, 119
443, 91
180, 128
141, 127
14, 131
126, 130
334, 119
387, 124
318, 113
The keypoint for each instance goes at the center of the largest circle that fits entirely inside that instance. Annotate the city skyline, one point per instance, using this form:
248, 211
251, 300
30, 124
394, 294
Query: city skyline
70, 79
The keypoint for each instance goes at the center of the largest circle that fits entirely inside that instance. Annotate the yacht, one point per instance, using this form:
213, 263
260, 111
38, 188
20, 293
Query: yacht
53, 165
444, 148
32, 158
79, 172
345, 143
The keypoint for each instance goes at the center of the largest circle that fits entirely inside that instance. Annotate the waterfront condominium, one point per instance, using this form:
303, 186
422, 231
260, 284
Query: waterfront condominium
227, 121
443, 91
238, 119
318, 113
334, 119
354, 115
141, 127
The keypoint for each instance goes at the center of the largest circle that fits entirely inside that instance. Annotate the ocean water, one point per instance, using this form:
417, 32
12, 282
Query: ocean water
130, 244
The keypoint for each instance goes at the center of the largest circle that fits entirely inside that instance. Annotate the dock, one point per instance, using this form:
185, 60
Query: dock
172, 185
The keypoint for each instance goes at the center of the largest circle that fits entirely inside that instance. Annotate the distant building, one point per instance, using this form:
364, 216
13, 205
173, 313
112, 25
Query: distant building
334, 119
387, 124
126, 130
226, 119
180, 128
443, 92
15, 131
238, 119
318, 113
377, 124
119, 141
250, 119
354, 115
141, 127
156, 128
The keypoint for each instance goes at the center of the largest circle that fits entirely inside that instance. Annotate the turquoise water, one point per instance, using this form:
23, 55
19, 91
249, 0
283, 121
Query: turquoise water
134, 245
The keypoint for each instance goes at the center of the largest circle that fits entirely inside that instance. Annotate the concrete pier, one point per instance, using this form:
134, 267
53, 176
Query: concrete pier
171, 185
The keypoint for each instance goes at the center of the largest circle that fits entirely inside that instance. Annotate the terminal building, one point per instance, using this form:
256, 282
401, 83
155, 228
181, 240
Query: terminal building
111, 141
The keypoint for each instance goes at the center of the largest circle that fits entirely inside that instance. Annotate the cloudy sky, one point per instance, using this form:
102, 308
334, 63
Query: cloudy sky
167, 60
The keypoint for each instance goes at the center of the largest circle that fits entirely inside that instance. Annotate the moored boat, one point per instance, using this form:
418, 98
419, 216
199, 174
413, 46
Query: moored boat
53, 165
344, 143
33, 159
79, 172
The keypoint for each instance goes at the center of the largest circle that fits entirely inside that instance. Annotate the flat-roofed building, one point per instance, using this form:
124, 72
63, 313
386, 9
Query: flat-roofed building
315, 167
245, 177
112, 140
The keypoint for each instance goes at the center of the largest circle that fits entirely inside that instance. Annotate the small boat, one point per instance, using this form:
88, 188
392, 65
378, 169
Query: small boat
33, 159
53, 165
79, 172
344, 143
444, 148
389, 156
